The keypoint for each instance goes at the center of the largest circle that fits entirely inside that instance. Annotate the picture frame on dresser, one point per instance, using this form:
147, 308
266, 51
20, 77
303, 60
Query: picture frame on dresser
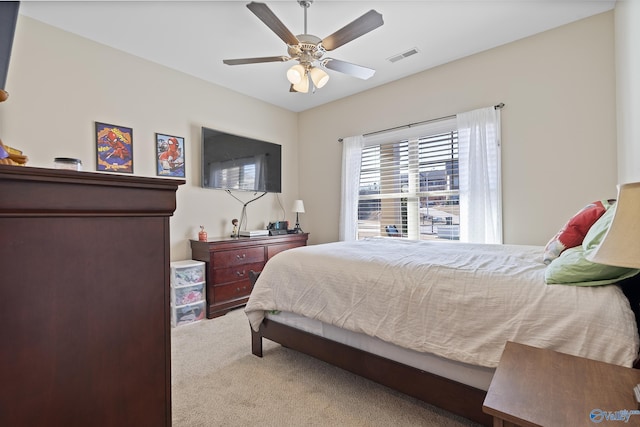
114, 148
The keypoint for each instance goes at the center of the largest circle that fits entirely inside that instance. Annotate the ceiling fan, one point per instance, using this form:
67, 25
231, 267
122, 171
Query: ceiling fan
309, 50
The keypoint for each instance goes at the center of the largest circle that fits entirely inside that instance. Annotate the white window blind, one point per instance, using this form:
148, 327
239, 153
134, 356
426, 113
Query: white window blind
409, 185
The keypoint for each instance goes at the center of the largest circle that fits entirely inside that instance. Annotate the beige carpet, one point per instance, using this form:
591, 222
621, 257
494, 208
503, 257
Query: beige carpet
216, 381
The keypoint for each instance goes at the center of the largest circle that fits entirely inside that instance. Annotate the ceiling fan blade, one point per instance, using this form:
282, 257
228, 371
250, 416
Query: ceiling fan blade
361, 26
351, 69
242, 61
265, 14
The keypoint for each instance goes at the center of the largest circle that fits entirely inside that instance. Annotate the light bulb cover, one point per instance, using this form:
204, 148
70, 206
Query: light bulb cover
303, 85
295, 74
319, 77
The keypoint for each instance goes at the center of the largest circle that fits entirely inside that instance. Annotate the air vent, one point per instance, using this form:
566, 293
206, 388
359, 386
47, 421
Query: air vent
396, 58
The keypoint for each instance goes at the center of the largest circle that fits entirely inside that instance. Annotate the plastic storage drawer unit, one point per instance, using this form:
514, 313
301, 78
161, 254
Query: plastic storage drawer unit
187, 292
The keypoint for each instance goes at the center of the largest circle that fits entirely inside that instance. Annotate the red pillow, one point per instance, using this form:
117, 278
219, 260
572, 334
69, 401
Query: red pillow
573, 232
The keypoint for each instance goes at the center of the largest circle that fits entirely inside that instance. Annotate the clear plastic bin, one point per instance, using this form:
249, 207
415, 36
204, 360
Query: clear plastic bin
185, 314
187, 294
186, 273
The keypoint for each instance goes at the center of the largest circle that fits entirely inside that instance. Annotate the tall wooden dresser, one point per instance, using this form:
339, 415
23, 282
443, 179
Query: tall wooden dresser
84, 298
229, 261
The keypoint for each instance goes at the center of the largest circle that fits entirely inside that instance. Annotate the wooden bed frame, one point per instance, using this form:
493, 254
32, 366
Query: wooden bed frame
452, 396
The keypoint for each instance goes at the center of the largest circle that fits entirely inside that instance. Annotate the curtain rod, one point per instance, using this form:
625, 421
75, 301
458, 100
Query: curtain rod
497, 107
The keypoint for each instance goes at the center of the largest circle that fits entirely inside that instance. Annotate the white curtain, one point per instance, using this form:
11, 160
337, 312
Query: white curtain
351, 160
480, 176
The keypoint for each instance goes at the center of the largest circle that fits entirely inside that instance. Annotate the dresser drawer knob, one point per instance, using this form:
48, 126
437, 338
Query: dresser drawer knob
241, 273
243, 256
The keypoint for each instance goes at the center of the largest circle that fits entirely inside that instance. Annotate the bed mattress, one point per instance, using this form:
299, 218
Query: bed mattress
457, 301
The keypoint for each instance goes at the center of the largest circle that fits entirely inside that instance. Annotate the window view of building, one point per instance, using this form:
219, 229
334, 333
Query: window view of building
410, 189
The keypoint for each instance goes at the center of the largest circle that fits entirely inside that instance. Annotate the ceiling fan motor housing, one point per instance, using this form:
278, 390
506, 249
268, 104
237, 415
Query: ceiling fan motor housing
308, 50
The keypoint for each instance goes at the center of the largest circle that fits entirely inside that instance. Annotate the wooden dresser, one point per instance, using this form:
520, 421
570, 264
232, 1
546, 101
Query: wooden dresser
84, 298
229, 261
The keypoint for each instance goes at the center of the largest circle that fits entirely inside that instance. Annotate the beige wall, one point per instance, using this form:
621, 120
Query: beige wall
559, 123
60, 84
558, 126
627, 33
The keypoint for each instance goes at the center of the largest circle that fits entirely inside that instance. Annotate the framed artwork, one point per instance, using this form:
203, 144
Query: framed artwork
114, 148
169, 155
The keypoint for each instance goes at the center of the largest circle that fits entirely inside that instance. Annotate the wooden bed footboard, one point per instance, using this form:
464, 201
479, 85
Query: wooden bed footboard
444, 393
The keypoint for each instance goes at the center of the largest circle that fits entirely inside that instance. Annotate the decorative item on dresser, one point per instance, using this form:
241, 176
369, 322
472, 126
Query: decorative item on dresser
229, 261
84, 300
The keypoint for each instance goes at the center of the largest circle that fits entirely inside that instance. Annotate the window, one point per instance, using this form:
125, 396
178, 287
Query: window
440, 179
410, 187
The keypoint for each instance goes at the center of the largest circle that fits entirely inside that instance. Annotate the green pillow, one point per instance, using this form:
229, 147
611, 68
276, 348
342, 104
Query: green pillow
571, 268
596, 233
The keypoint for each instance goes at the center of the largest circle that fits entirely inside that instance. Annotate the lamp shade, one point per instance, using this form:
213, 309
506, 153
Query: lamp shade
319, 77
621, 244
295, 74
298, 206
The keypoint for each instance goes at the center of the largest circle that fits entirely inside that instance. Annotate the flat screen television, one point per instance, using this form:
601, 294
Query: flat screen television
234, 162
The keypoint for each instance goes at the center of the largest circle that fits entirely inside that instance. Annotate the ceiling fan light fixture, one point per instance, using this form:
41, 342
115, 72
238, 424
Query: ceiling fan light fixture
303, 85
295, 74
319, 77
308, 49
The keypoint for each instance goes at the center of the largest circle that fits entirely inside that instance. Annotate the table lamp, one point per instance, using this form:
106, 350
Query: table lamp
298, 208
621, 245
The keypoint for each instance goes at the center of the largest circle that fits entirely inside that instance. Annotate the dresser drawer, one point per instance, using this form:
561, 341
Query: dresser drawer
238, 257
238, 272
232, 291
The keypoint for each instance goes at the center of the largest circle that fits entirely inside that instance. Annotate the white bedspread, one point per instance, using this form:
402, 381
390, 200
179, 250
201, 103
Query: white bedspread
456, 300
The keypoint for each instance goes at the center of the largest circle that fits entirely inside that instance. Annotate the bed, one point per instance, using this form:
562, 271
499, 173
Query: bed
431, 318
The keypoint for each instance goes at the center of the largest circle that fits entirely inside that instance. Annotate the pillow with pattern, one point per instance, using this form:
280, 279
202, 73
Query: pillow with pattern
573, 232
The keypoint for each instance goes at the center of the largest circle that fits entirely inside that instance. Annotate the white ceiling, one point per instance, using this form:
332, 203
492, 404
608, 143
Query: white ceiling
195, 36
